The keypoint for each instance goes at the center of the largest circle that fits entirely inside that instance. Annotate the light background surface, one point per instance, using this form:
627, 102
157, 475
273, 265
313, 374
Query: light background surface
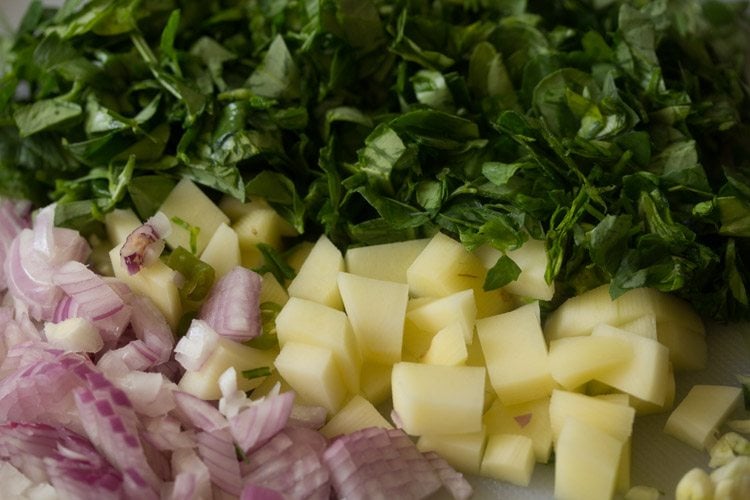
658, 460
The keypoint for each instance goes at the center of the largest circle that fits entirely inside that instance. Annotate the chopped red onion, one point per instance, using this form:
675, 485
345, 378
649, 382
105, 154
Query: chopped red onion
290, 463
255, 492
217, 451
65, 459
12, 222
144, 245
256, 424
32, 259
193, 349
165, 433
232, 308
197, 413
379, 463
192, 477
111, 424
40, 387
90, 297
308, 416
452, 480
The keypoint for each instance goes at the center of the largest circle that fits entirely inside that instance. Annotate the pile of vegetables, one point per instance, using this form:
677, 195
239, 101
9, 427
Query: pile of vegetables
616, 131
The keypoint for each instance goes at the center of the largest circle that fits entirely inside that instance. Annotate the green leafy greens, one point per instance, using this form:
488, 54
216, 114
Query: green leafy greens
615, 130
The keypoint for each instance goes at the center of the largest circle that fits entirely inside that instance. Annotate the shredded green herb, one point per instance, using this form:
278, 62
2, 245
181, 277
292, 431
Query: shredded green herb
615, 130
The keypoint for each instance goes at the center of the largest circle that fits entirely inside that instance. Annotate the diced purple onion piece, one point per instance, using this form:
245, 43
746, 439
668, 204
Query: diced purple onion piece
144, 245
256, 424
111, 424
452, 480
13, 219
217, 451
197, 413
255, 492
381, 463
232, 308
93, 299
194, 348
290, 463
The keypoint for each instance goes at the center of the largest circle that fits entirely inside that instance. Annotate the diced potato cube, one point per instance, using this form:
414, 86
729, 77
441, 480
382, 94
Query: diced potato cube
611, 417
357, 414
312, 372
204, 383
74, 334
191, 205
508, 457
703, 410
257, 222
157, 282
376, 311
576, 360
305, 321
422, 392
623, 472
580, 314
586, 462
317, 279
448, 347
666, 307
646, 374
462, 451
272, 291
416, 341
516, 354
646, 408
444, 267
387, 261
375, 381
529, 419
119, 224
222, 251
645, 326
531, 257
437, 314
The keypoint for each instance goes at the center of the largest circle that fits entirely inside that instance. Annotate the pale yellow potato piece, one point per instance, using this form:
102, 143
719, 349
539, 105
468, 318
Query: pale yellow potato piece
433, 399
576, 360
665, 307
508, 457
586, 462
313, 373
156, 281
376, 311
375, 381
448, 347
358, 413
257, 222
645, 326
222, 251
272, 291
462, 451
516, 354
458, 307
611, 417
646, 374
187, 202
204, 383
317, 279
695, 420
580, 314
119, 224
313, 323
688, 350
531, 257
387, 261
444, 267
529, 419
